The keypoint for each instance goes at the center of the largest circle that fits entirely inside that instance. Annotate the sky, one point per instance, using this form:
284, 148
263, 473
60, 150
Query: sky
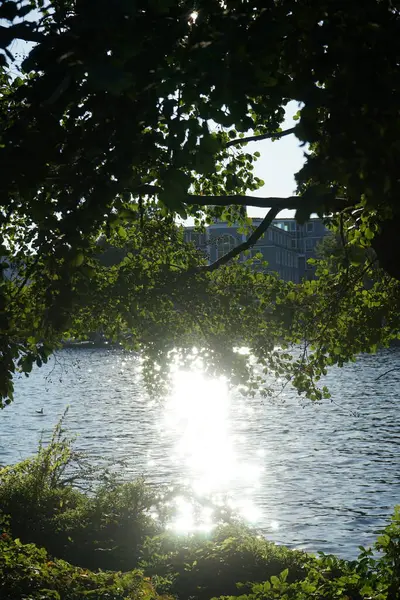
279, 162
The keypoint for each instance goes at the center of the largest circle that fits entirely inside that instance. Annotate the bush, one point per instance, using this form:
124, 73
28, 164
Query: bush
108, 530
370, 577
200, 567
35, 492
327, 578
389, 544
26, 572
102, 527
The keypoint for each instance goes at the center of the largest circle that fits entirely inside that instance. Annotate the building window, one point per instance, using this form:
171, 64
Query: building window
309, 244
294, 244
196, 238
278, 257
310, 227
225, 244
270, 235
290, 225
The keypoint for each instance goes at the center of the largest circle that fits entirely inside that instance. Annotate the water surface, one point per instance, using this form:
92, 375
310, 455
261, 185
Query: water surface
318, 477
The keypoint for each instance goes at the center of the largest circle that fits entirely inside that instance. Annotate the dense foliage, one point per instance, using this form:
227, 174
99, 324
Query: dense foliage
27, 571
113, 526
127, 114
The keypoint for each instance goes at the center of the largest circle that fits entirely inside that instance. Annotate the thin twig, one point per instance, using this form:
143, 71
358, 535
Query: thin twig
387, 373
345, 248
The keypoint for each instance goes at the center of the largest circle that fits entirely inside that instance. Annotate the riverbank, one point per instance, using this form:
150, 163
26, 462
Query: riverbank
70, 530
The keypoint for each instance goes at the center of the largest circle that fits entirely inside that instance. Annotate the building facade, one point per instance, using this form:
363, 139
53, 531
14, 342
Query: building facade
305, 239
286, 246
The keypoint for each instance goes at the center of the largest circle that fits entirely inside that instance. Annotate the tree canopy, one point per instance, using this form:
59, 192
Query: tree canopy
128, 114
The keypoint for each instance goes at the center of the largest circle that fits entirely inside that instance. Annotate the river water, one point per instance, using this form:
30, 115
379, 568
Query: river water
313, 476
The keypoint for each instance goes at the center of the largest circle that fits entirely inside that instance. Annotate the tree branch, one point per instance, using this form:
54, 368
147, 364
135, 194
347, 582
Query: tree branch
257, 233
272, 202
291, 202
20, 31
258, 138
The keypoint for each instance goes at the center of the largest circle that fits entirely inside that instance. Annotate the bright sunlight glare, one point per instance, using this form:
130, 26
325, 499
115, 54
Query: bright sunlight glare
197, 417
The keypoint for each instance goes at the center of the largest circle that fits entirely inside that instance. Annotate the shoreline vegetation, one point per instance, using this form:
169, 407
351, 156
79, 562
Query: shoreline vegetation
69, 531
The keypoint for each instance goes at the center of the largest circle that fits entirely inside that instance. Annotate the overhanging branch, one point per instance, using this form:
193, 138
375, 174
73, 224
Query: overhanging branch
258, 138
19, 31
329, 203
291, 202
257, 233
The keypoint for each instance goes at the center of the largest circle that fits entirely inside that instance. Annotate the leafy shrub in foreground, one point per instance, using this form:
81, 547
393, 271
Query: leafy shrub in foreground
26, 572
104, 527
204, 567
108, 530
327, 578
389, 544
370, 577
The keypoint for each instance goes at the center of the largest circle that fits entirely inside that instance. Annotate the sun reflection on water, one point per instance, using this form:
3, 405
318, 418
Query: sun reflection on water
198, 418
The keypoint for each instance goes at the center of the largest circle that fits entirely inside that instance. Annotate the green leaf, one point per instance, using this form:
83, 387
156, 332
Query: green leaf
369, 234
283, 576
77, 260
122, 233
275, 581
383, 540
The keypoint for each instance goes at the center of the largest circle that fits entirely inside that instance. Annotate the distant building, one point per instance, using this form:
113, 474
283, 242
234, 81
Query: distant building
286, 246
305, 239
